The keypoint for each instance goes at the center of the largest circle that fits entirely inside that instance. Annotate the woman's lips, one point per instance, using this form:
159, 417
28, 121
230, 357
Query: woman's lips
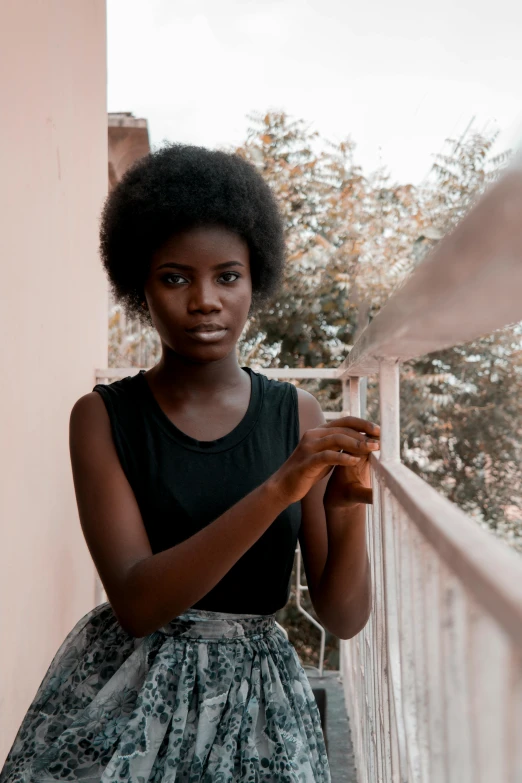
208, 337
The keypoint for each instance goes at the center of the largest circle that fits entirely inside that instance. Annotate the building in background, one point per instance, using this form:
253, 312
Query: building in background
129, 343
128, 141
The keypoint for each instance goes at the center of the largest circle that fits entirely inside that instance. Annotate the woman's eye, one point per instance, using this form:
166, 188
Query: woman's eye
169, 277
234, 274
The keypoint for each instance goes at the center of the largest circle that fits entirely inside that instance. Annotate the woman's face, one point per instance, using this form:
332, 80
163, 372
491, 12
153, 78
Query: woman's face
197, 278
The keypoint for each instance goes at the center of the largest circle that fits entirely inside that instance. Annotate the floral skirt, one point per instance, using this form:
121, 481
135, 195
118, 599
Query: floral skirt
211, 697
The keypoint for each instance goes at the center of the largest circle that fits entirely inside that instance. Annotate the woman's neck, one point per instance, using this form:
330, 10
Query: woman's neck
179, 377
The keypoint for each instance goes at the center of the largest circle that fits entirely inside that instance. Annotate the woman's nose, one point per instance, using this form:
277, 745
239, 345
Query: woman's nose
203, 295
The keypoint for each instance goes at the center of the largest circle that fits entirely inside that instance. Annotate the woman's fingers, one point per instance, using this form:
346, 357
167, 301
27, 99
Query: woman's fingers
332, 458
355, 423
339, 440
344, 431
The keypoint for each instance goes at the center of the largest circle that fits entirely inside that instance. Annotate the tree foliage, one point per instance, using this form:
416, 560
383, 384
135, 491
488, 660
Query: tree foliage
342, 229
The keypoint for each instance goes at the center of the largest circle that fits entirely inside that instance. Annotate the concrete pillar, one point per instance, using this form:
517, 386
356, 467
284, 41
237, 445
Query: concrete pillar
53, 322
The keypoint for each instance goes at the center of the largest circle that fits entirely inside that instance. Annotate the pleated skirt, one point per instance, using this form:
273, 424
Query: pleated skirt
212, 697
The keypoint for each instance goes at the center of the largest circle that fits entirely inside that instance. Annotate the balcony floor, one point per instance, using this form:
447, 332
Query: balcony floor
340, 749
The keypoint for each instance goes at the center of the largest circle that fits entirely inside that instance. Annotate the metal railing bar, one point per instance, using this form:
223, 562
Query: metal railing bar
513, 719
298, 590
389, 526
417, 565
378, 610
434, 666
489, 570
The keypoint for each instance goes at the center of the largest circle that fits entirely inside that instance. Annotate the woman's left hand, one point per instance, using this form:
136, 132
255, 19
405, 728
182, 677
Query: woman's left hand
349, 485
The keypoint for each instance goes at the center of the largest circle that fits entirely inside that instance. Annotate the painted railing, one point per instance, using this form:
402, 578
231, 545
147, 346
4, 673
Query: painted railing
433, 684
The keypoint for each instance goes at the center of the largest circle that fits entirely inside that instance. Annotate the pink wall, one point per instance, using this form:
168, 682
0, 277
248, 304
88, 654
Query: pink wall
53, 323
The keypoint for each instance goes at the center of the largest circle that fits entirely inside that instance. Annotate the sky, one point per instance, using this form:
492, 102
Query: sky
398, 78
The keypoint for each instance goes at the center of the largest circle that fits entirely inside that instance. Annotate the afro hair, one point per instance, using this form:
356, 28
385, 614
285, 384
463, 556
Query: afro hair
174, 189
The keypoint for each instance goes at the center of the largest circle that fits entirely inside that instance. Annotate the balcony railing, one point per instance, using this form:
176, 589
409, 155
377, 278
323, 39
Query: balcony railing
433, 683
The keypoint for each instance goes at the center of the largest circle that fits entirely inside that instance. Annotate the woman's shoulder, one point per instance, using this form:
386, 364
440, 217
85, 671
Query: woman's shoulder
305, 399
276, 387
120, 398
310, 412
119, 385
121, 391
299, 402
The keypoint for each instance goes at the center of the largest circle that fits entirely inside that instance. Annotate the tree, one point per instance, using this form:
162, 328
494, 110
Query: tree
342, 228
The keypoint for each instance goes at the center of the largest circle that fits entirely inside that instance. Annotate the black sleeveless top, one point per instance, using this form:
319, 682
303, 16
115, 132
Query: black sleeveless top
182, 484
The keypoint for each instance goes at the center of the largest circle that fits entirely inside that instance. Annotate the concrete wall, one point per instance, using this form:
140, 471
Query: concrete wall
53, 323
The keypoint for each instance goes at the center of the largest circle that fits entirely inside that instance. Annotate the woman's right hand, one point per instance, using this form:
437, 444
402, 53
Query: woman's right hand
319, 450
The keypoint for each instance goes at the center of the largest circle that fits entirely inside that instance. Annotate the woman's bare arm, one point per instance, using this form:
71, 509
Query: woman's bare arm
146, 591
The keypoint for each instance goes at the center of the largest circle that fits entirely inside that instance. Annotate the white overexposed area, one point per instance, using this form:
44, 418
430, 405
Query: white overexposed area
397, 77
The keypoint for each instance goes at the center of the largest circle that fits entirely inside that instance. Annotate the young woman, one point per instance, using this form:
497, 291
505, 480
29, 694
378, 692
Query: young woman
194, 481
